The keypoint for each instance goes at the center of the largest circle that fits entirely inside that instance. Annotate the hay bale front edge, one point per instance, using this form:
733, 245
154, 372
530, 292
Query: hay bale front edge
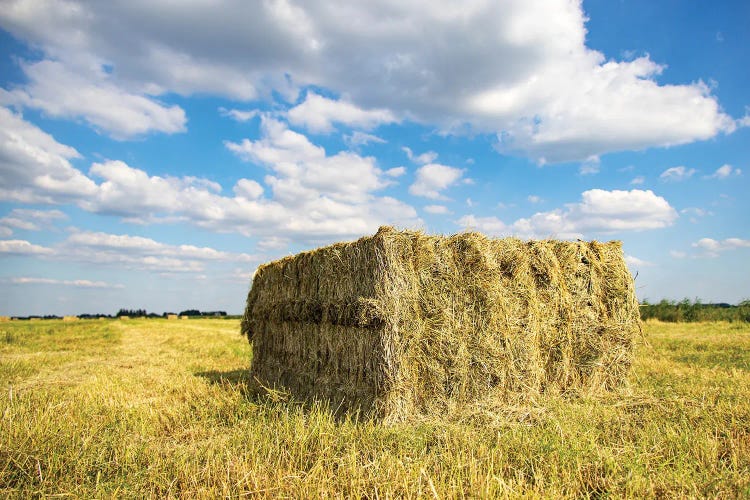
403, 323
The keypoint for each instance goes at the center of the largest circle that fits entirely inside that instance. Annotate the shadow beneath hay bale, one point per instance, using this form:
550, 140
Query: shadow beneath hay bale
239, 376
242, 382
238, 380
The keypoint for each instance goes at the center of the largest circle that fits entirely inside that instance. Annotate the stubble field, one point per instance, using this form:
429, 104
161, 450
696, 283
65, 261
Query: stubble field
161, 408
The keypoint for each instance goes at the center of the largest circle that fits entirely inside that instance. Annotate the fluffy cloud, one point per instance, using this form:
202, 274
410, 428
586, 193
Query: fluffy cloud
712, 248
125, 251
304, 169
395, 171
421, 159
142, 253
137, 244
490, 225
357, 139
32, 220
599, 211
312, 196
248, 189
64, 92
591, 166
238, 114
74, 283
520, 69
725, 171
34, 167
313, 193
677, 174
318, 114
633, 261
23, 247
434, 178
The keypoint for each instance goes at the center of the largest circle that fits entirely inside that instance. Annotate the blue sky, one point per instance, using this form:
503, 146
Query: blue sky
153, 154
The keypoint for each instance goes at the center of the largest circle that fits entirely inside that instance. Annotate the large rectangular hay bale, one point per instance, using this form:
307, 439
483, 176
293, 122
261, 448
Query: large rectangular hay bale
402, 323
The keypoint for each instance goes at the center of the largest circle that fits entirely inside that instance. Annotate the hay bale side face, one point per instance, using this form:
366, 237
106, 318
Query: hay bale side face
403, 323
313, 326
500, 318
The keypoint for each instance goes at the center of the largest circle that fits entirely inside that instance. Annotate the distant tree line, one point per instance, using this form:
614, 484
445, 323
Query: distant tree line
133, 313
142, 313
693, 311
138, 313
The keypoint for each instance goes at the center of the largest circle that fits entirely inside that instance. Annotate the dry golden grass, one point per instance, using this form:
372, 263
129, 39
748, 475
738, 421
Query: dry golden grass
157, 408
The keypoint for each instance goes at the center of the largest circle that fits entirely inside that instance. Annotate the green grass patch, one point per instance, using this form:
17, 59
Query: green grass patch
163, 408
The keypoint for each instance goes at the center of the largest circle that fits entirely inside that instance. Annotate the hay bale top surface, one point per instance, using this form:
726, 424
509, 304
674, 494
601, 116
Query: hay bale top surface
338, 281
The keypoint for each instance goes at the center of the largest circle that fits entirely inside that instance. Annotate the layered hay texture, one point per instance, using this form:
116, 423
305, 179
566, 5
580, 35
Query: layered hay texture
403, 323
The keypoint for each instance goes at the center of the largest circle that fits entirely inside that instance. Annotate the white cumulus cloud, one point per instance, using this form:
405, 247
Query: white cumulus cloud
239, 114
23, 247
23, 280
725, 172
318, 114
677, 174
306, 193
64, 92
520, 69
32, 220
420, 159
599, 211
142, 253
711, 247
432, 179
635, 262
490, 225
395, 171
359, 138
34, 167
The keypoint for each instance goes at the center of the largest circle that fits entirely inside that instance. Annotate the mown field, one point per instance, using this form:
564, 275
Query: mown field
161, 408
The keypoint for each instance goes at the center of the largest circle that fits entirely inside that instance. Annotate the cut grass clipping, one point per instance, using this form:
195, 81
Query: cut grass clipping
403, 324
